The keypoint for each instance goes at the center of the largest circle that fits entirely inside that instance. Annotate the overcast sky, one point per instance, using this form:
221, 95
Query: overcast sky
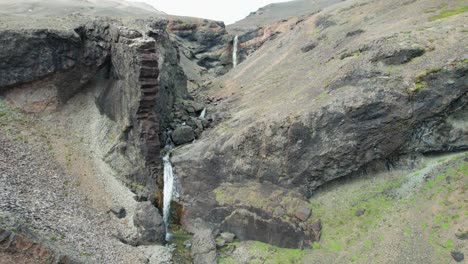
228, 11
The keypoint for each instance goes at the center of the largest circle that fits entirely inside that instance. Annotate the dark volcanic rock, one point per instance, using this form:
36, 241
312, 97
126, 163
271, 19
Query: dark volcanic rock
145, 80
118, 211
183, 135
457, 256
400, 56
149, 223
69, 58
247, 225
308, 47
462, 235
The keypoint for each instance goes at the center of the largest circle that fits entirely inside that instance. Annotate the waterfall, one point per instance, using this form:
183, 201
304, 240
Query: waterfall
168, 191
203, 113
234, 51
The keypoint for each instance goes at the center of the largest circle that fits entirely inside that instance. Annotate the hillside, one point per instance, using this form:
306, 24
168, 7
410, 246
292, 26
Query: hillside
67, 7
278, 11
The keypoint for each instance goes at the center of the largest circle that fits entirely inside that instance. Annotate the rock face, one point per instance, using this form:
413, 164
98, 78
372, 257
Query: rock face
32, 55
150, 224
26, 244
145, 80
141, 76
252, 226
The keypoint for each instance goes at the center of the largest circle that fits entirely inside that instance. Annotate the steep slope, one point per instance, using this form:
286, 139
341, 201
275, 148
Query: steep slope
360, 86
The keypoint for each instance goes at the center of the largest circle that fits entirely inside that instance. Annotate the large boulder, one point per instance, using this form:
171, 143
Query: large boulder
150, 224
183, 135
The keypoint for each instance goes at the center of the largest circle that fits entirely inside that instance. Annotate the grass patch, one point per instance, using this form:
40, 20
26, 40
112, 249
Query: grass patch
449, 13
420, 80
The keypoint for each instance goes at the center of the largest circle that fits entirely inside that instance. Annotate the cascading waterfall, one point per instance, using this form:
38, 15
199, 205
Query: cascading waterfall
234, 51
168, 191
203, 113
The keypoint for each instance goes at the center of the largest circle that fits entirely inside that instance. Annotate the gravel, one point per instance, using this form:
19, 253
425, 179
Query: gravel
35, 191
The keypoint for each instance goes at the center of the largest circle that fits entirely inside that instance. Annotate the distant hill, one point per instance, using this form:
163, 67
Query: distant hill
66, 7
274, 12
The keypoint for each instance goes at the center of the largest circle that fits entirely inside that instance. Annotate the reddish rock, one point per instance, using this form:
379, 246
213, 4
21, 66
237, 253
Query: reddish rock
303, 213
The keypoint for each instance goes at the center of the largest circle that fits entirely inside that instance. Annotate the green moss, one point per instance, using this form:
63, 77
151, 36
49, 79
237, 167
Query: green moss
449, 13
276, 255
316, 245
137, 187
420, 82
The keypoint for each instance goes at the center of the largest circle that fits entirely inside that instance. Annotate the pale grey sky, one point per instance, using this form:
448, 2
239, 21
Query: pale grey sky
228, 11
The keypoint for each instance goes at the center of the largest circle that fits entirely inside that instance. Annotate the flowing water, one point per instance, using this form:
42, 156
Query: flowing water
203, 114
168, 191
234, 51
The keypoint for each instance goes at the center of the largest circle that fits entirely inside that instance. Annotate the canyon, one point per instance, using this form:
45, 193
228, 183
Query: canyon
309, 132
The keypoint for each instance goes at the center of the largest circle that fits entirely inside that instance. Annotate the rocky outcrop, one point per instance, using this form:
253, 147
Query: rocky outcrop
26, 245
204, 42
204, 247
145, 81
62, 61
150, 225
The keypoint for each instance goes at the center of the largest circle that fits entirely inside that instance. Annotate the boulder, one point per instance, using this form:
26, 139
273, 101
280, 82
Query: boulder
308, 47
119, 211
183, 135
227, 237
204, 247
150, 224
457, 256
360, 212
303, 213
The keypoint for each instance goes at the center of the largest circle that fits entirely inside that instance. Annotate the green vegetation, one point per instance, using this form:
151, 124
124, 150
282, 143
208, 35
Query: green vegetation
260, 196
137, 187
420, 82
391, 201
9, 115
265, 253
449, 13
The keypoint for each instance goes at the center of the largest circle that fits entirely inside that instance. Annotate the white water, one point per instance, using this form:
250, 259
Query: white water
234, 51
203, 113
168, 191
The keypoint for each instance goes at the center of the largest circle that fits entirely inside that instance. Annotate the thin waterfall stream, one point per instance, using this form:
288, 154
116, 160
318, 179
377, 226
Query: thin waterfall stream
203, 113
167, 192
234, 51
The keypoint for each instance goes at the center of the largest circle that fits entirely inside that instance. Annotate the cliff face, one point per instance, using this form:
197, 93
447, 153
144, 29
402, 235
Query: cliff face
42, 69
